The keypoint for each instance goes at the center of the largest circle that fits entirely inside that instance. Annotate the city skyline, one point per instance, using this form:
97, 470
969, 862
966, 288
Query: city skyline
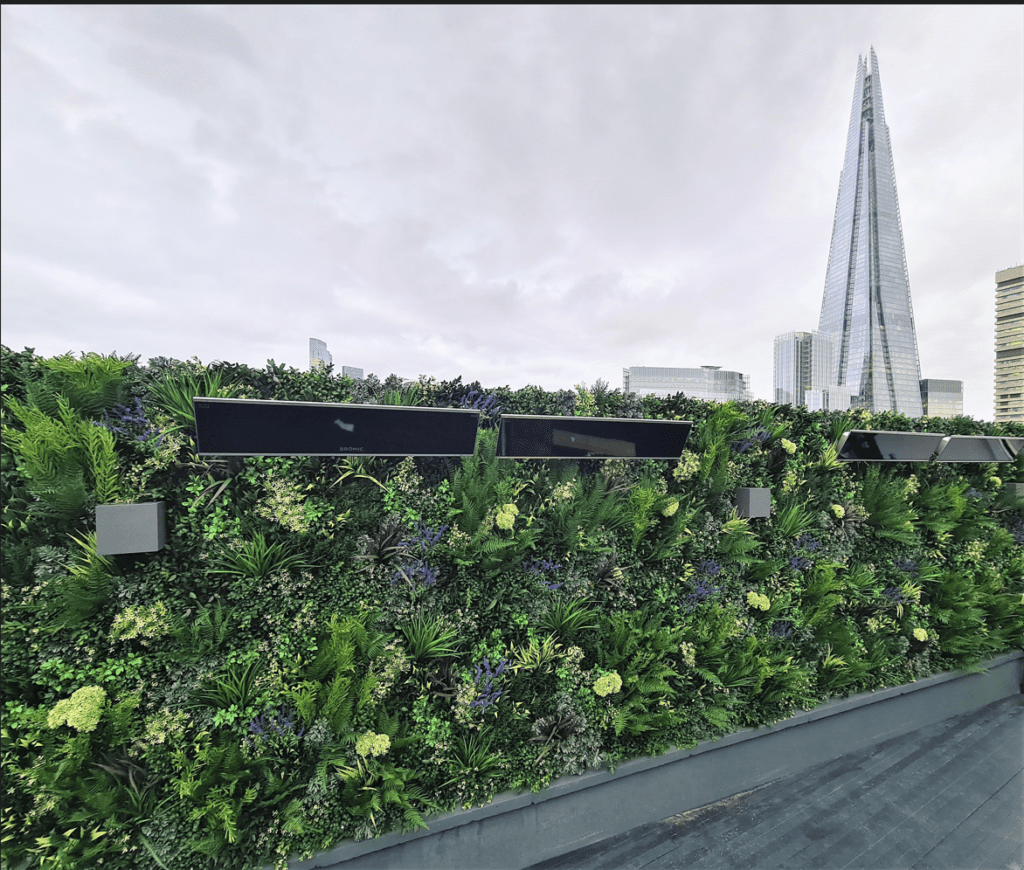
510, 195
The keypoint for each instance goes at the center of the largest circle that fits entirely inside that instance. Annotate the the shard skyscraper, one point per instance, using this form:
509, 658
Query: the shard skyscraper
867, 293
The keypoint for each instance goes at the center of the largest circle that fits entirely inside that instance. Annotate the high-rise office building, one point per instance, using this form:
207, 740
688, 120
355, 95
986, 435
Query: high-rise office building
1010, 345
866, 303
942, 398
319, 355
707, 382
803, 361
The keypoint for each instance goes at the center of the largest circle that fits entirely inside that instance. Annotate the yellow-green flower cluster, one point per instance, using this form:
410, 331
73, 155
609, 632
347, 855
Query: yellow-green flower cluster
609, 684
839, 511
373, 744
391, 665
670, 509
788, 446
285, 504
506, 517
689, 653
81, 711
165, 725
563, 492
688, 466
920, 634
142, 622
975, 551
586, 404
756, 599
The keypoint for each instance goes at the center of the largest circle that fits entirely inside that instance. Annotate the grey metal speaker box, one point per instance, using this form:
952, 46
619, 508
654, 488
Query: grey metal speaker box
130, 528
754, 501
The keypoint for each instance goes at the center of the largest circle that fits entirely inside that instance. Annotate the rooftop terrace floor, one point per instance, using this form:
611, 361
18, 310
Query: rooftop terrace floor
949, 796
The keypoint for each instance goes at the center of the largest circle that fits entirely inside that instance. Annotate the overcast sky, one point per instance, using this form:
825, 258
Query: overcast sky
518, 195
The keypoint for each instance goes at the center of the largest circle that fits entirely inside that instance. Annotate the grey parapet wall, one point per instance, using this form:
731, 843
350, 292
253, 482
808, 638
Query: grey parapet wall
517, 830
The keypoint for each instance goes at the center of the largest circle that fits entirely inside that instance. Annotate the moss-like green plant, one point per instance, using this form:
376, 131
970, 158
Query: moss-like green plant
81, 711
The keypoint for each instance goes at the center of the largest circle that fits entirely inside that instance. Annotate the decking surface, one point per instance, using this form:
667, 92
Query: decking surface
946, 797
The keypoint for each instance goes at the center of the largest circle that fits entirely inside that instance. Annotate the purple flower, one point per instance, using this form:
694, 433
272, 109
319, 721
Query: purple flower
130, 421
702, 591
782, 628
809, 543
896, 595
426, 537
908, 566
415, 572
709, 567
487, 694
536, 566
280, 721
799, 563
479, 402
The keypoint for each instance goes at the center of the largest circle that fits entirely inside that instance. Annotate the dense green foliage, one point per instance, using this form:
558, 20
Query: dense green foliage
335, 648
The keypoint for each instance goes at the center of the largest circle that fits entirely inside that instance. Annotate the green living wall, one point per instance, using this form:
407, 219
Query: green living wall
335, 648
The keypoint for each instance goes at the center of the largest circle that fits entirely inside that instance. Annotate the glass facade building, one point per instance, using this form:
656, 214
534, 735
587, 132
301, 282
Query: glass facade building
319, 355
803, 361
1010, 345
866, 303
707, 382
942, 398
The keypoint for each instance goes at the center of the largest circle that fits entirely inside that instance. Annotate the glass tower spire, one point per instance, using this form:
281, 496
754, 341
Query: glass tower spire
866, 303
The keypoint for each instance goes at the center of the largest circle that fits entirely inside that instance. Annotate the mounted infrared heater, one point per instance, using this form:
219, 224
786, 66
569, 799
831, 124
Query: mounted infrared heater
979, 448
529, 436
862, 445
258, 427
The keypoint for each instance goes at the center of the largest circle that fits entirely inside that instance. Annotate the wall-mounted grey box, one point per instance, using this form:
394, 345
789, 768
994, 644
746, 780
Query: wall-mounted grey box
1015, 489
130, 528
754, 501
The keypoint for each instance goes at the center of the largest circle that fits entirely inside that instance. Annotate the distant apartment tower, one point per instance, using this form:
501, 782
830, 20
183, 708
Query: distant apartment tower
706, 382
319, 355
942, 398
1010, 345
803, 361
352, 372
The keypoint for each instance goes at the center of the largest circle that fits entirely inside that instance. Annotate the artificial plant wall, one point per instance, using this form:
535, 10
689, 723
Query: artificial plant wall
333, 648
